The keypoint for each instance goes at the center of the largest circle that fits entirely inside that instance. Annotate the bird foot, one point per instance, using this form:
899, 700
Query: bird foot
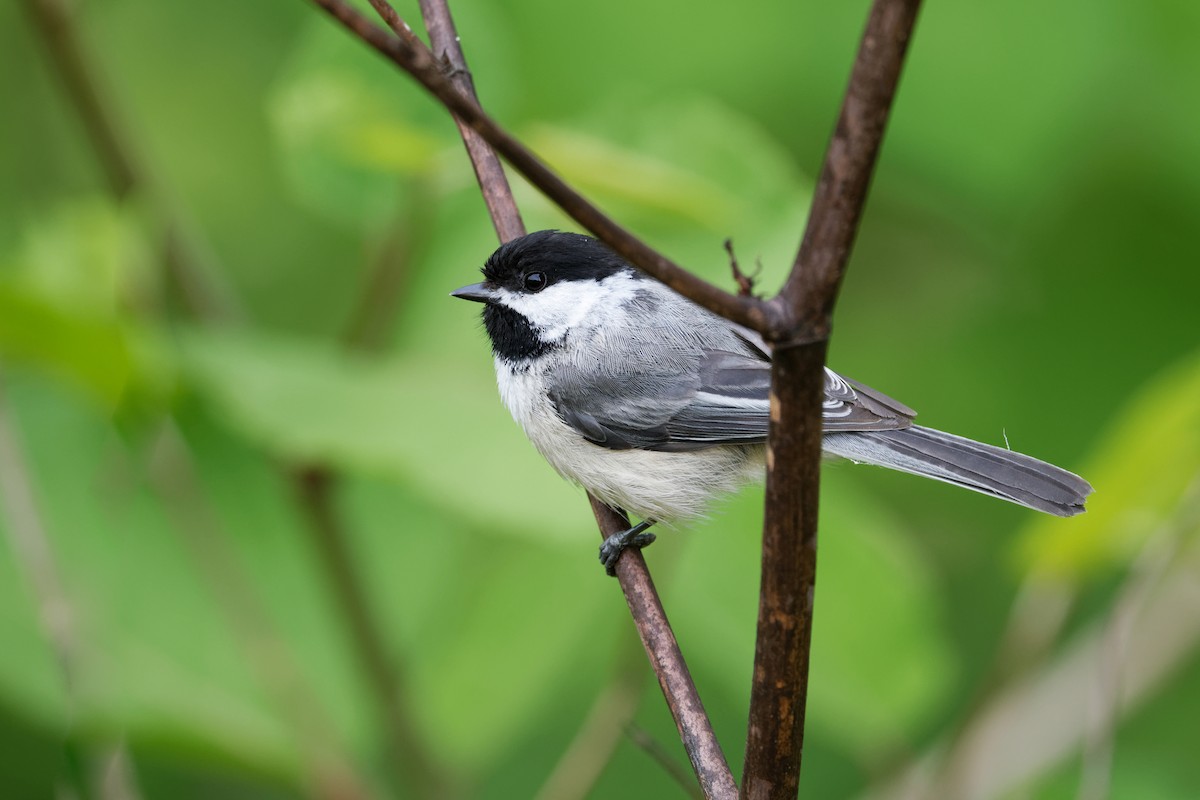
616, 544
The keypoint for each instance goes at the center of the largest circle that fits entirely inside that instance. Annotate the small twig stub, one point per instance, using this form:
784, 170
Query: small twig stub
745, 283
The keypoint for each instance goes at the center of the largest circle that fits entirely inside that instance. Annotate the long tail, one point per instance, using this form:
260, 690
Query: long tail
980, 467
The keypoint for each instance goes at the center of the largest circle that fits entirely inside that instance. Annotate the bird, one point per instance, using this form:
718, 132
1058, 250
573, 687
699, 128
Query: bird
657, 406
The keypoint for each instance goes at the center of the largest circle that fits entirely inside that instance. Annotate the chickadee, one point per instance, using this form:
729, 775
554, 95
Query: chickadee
657, 406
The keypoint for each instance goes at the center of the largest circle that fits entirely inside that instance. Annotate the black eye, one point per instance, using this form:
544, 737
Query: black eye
535, 281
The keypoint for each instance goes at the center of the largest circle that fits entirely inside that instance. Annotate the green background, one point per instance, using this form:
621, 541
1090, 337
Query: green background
1026, 269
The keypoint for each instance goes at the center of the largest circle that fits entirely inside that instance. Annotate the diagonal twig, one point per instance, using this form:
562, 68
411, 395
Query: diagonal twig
493, 183
34, 555
424, 66
591, 750
187, 264
653, 627
695, 729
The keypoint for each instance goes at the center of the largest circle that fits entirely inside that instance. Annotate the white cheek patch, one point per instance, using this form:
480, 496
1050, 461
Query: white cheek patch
566, 305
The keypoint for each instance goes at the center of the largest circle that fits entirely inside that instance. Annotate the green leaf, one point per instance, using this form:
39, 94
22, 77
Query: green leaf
517, 626
89, 351
350, 131
89, 256
687, 173
1146, 462
69, 300
433, 424
154, 660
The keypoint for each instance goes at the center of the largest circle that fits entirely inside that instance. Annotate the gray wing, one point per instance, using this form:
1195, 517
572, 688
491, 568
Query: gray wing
716, 397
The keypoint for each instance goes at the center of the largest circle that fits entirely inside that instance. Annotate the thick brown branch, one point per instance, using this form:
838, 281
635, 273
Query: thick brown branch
811, 290
779, 691
779, 686
423, 65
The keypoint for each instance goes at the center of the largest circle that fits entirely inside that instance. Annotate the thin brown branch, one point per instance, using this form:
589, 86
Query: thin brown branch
315, 486
695, 730
493, 183
642, 739
489, 173
775, 737
414, 766
173, 475
590, 751
421, 63
193, 278
34, 556
399, 27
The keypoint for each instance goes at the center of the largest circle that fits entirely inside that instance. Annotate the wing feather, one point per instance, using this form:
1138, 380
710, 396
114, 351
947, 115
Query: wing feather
720, 397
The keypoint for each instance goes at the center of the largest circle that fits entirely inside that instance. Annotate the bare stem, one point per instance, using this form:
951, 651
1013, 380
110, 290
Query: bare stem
409, 758
173, 474
812, 287
493, 183
775, 738
695, 730
590, 751
789, 560
34, 555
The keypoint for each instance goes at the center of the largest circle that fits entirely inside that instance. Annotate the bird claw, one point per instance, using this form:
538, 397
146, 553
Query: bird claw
610, 551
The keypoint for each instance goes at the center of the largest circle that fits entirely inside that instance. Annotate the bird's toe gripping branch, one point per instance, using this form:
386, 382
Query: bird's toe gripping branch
616, 544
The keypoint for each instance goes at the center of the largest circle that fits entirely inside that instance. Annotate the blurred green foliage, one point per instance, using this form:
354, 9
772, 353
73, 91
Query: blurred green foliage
1026, 269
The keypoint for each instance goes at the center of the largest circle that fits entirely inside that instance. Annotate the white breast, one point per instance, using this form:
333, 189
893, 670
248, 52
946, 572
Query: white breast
650, 485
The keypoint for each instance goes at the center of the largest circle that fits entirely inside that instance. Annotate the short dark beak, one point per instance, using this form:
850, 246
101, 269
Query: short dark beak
478, 292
